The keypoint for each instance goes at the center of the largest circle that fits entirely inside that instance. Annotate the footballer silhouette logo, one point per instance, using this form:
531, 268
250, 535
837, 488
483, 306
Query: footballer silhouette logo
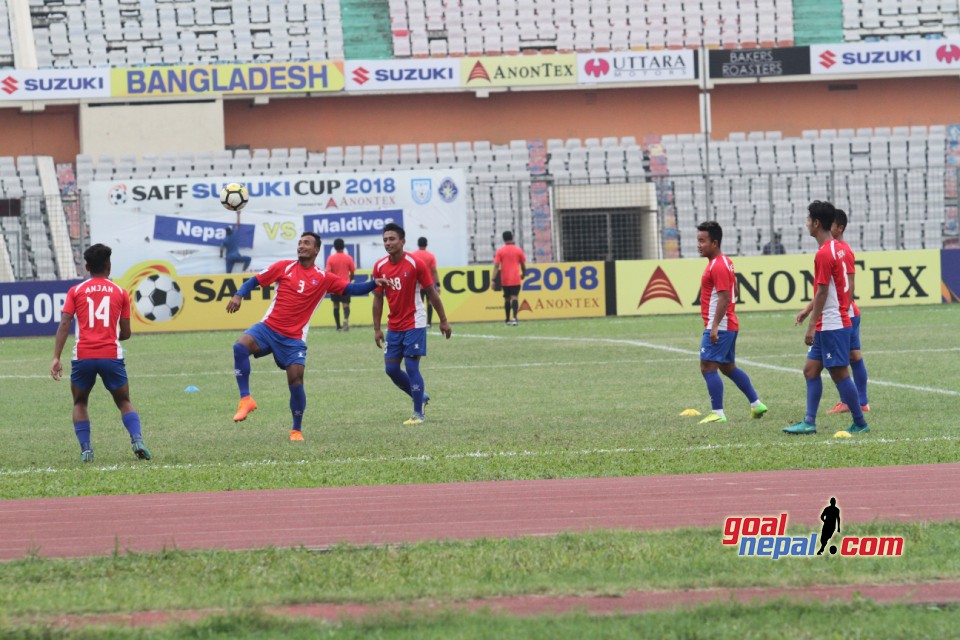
659, 286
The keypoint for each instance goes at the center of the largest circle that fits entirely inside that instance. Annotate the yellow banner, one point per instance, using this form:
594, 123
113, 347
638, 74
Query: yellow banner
279, 77
776, 283
163, 301
519, 71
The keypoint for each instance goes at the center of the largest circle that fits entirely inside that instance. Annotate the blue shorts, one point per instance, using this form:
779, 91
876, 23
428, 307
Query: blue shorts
725, 349
286, 351
83, 373
855, 333
832, 348
409, 344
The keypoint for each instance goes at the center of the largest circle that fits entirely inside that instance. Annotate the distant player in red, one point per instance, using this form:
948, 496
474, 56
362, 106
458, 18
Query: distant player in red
102, 310
828, 330
718, 293
510, 264
300, 288
341, 264
404, 277
430, 260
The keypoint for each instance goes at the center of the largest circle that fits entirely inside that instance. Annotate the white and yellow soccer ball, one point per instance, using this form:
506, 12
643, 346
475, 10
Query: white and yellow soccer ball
234, 196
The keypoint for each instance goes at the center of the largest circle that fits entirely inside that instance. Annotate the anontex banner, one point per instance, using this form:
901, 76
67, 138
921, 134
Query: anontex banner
759, 63
228, 79
518, 71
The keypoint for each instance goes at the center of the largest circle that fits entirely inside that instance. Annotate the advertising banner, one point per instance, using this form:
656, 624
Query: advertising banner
759, 63
54, 84
776, 283
227, 79
180, 221
886, 56
519, 71
402, 75
636, 66
31, 308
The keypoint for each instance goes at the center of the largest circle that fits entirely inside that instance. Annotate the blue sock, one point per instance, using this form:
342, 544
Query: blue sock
848, 395
859, 369
241, 368
298, 404
814, 391
398, 376
742, 380
82, 429
132, 422
715, 389
416, 384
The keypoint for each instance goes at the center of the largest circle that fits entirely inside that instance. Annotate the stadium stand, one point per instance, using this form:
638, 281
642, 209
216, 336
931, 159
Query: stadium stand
896, 19
6, 38
118, 33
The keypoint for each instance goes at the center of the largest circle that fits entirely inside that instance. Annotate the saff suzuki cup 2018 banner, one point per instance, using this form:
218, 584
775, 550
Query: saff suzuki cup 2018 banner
181, 221
776, 283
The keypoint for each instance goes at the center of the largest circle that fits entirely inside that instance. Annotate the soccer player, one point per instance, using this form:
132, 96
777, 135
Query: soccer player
102, 309
231, 244
828, 329
404, 277
857, 365
301, 286
717, 306
427, 258
510, 263
341, 264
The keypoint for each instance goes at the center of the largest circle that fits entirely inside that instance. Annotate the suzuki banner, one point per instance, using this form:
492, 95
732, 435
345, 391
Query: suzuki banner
402, 75
54, 84
519, 71
181, 221
228, 79
636, 66
885, 56
776, 283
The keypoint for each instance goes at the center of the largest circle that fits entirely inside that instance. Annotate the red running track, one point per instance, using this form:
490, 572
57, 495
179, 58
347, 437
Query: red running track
321, 517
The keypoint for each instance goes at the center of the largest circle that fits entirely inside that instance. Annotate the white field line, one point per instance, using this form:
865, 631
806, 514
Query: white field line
691, 353
147, 468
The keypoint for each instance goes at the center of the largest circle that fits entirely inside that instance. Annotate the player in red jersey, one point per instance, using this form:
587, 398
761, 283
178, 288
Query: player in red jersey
341, 264
430, 260
510, 263
404, 277
102, 309
300, 288
828, 330
718, 287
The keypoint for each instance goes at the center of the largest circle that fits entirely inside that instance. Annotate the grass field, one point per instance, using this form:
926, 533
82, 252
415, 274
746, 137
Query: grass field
596, 397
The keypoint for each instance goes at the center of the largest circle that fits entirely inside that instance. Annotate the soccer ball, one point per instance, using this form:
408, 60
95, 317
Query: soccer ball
158, 298
234, 196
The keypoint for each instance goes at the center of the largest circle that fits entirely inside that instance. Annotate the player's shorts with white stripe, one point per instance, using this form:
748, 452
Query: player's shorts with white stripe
832, 348
725, 349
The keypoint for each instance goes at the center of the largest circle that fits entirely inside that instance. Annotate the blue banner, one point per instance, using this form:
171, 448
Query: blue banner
203, 232
352, 223
32, 308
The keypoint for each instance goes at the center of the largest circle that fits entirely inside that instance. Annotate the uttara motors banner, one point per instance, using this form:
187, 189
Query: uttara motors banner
759, 63
227, 79
518, 71
885, 57
54, 84
181, 221
636, 66
776, 283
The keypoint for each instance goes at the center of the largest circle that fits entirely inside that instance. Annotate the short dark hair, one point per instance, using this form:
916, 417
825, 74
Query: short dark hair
508, 236
338, 244
422, 242
97, 257
314, 235
840, 219
823, 212
713, 229
393, 226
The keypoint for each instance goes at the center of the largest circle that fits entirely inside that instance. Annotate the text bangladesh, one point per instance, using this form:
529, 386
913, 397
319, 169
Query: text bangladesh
227, 79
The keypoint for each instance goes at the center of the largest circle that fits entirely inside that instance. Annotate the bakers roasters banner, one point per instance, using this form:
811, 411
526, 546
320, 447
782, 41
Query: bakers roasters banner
759, 63
181, 221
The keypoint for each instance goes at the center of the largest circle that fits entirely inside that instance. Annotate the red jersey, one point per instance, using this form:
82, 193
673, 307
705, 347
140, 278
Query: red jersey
510, 257
98, 304
830, 270
718, 276
406, 278
299, 292
427, 258
341, 264
850, 262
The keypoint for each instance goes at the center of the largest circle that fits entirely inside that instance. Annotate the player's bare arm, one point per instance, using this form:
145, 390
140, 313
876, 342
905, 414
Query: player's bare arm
723, 301
434, 297
63, 330
377, 317
803, 314
819, 301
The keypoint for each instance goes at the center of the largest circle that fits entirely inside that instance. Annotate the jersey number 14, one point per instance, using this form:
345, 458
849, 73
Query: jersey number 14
101, 313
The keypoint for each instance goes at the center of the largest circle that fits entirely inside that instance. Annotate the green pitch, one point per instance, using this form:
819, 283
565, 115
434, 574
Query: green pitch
597, 397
